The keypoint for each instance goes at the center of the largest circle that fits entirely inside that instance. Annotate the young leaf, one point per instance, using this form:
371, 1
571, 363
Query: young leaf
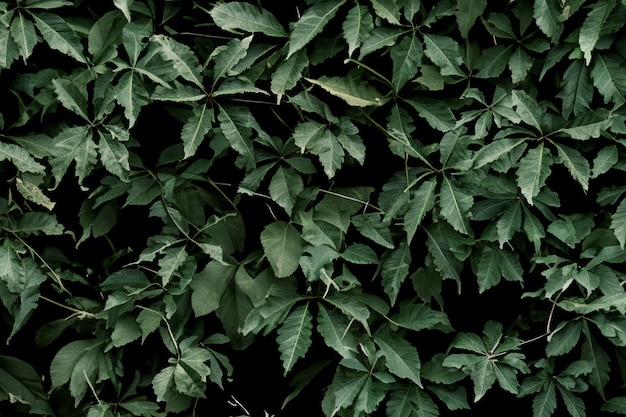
312, 21
283, 247
357, 27
294, 336
466, 14
236, 15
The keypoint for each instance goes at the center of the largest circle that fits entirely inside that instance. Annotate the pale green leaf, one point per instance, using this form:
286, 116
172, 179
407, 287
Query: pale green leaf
591, 29
235, 15
547, 16
124, 6
533, 170
288, 74
422, 201
388, 10
406, 56
350, 89
132, 95
351, 307
294, 336
357, 27
311, 23
466, 13
114, 156
329, 151
196, 128
444, 52
285, 186
587, 131
576, 164
33, 193
417, 317
283, 247
171, 262
59, 35
455, 205
179, 93
350, 139
74, 144
564, 338
23, 33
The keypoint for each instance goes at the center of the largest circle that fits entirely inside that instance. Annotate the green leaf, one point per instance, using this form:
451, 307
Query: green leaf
231, 54
196, 128
532, 172
401, 358
311, 23
132, 95
496, 150
105, 36
283, 247
417, 317
114, 156
395, 269
492, 61
577, 90
618, 223
73, 144
422, 201
544, 403
236, 125
528, 109
509, 223
466, 14
357, 27
547, 16
444, 52
78, 363
599, 360
576, 164
59, 35
564, 338
455, 205
615, 405
407, 58
334, 328
33, 193
23, 33
409, 401
436, 112
8, 49
209, 286
285, 186
605, 159
378, 38
288, 74
71, 97
235, 15
294, 336
520, 64
182, 58
22, 160
19, 379
440, 245
608, 77
353, 91
590, 31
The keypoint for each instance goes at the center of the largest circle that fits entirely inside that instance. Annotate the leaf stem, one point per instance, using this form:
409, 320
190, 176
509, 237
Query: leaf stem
55, 276
365, 203
81, 314
169, 329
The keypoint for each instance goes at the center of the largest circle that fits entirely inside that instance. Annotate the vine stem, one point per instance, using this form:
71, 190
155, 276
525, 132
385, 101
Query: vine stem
365, 203
75, 312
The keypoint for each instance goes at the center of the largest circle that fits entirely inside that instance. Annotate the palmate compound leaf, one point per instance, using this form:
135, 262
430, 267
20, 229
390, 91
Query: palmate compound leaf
312, 21
533, 170
234, 16
283, 247
294, 336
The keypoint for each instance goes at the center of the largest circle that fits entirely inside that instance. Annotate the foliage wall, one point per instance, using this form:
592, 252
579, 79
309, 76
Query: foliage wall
385, 207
